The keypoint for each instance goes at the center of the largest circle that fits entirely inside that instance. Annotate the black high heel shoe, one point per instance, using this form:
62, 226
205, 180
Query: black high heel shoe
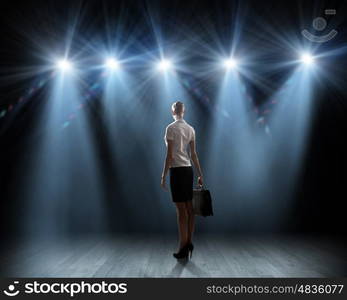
190, 247
183, 253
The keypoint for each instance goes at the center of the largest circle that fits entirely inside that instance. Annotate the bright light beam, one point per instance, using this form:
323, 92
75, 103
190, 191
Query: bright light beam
237, 159
64, 152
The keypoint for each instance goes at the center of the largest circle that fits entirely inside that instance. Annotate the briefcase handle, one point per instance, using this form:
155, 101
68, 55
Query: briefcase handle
200, 187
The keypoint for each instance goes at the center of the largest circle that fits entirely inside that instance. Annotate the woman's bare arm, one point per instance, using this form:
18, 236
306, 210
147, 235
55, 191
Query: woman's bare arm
168, 158
195, 159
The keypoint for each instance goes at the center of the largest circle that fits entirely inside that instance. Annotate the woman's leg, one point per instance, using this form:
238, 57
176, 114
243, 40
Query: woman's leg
191, 220
182, 222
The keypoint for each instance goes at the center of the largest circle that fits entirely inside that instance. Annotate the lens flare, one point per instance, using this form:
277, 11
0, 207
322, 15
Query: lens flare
230, 63
64, 65
307, 59
164, 65
112, 63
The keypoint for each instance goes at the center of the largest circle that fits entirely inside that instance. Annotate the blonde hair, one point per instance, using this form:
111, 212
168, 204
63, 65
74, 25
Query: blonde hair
178, 108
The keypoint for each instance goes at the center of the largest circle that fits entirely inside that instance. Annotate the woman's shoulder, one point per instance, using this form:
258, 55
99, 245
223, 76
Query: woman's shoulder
172, 124
190, 126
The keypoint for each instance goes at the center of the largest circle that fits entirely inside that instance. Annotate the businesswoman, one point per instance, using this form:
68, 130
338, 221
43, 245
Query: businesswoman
179, 136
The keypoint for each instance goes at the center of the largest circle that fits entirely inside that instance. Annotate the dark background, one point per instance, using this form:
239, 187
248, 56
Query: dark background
28, 27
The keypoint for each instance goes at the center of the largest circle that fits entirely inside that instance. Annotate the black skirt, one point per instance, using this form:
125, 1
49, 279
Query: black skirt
181, 183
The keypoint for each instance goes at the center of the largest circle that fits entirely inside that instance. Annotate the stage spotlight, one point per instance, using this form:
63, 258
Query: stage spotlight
164, 65
64, 65
230, 63
112, 63
307, 59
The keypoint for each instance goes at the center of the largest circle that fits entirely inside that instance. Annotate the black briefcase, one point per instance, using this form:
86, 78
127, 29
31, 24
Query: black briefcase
202, 202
